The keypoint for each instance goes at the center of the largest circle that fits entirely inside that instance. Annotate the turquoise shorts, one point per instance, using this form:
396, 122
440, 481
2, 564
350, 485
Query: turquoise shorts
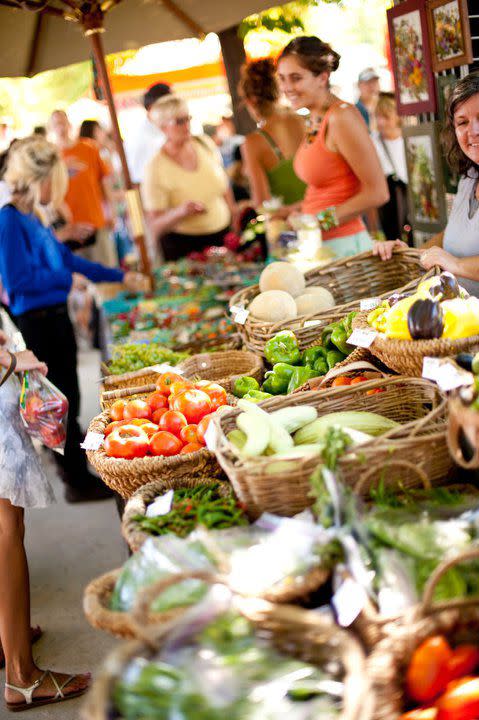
350, 244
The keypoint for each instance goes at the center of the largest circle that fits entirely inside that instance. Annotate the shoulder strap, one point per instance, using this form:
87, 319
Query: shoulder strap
203, 144
11, 368
389, 157
274, 147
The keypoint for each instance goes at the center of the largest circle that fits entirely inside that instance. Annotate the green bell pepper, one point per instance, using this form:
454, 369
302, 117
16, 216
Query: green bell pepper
310, 355
326, 336
257, 396
339, 337
348, 322
244, 385
334, 357
283, 348
321, 366
277, 379
300, 376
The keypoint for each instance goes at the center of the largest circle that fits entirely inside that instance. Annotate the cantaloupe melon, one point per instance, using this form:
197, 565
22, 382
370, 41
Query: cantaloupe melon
314, 302
273, 306
282, 276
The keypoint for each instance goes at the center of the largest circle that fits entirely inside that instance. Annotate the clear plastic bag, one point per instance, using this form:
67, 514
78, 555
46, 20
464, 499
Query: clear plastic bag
44, 410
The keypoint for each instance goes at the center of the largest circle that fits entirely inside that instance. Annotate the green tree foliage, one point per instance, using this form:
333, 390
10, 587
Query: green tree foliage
286, 18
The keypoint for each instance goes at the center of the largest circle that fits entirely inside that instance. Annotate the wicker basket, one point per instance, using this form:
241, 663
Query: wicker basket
406, 356
126, 476
96, 606
463, 429
131, 393
223, 367
283, 486
458, 620
140, 500
217, 344
303, 634
291, 590
349, 280
351, 369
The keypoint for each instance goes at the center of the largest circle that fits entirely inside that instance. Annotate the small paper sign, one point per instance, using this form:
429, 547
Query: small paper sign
211, 437
445, 373
312, 323
362, 338
161, 506
165, 367
240, 314
348, 601
369, 303
92, 441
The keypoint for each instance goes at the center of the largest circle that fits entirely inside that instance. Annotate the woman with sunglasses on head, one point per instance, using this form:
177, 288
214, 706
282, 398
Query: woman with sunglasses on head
337, 160
456, 248
186, 192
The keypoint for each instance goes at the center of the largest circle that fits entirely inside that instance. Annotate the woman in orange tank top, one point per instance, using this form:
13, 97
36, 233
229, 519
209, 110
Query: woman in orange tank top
337, 160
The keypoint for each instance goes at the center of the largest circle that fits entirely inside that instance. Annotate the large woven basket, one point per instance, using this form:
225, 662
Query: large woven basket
232, 341
463, 430
349, 280
283, 486
126, 476
303, 634
352, 369
290, 590
458, 620
406, 356
96, 606
221, 367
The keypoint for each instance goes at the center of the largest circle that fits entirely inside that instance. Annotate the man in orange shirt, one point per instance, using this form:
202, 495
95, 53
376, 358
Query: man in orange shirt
88, 188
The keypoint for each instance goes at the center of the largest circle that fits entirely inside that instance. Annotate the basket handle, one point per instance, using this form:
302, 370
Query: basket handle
358, 365
426, 483
454, 429
125, 392
428, 595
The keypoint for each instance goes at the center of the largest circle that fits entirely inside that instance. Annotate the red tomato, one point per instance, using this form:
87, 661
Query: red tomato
150, 428
375, 391
194, 404
358, 379
190, 447
465, 659
117, 410
203, 427
179, 386
420, 714
189, 434
340, 381
164, 443
53, 435
460, 702
113, 425
137, 421
33, 406
158, 414
427, 674
215, 392
172, 422
127, 441
156, 401
137, 409
166, 380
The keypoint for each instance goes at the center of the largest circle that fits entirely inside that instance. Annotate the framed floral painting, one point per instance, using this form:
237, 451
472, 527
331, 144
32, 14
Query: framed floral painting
427, 204
449, 33
414, 79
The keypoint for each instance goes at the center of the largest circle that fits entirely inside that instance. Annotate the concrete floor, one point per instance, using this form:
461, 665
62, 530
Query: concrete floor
67, 546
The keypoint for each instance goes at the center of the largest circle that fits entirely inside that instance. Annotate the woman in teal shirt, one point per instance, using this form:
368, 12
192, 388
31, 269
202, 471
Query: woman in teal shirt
269, 151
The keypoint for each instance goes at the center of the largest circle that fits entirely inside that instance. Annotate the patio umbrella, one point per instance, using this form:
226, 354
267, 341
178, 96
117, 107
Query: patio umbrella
31, 42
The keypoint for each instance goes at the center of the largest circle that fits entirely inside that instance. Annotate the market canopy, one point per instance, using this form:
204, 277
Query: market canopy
31, 42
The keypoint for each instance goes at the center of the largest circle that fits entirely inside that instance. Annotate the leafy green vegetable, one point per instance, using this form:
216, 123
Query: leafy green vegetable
136, 356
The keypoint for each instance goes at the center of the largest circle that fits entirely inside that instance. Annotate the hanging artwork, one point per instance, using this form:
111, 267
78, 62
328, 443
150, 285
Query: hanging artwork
414, 79
449, 33
427, 206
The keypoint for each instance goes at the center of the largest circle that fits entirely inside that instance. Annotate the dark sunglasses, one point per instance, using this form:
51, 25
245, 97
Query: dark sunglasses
182, 120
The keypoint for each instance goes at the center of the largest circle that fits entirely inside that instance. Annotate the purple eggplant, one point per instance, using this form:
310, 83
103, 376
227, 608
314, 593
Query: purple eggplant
425, 320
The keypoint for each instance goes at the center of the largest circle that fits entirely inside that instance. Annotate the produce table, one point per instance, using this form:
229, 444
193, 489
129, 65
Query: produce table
316, 485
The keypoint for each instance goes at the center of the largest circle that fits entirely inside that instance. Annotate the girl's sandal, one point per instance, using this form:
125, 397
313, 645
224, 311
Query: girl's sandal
35, 634
31, 702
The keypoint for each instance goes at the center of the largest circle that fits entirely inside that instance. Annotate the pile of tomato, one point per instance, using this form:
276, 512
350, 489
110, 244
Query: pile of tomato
443, 680
171, 421
344, 380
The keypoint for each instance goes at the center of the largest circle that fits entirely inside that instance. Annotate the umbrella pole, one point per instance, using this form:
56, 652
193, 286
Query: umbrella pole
132, 194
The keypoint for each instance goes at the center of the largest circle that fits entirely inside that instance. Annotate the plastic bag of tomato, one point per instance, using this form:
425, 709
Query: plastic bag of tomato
44, 410
157, 434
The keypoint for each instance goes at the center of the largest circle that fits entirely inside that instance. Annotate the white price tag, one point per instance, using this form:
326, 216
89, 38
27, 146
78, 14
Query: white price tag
369, 303
240, 314
164, 367
362, 338
312, 323
211, 437
445, 373
161, 506
348, 601
92, 441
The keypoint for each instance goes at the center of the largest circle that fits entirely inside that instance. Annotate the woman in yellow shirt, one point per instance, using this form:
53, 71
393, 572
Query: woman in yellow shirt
186, 193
